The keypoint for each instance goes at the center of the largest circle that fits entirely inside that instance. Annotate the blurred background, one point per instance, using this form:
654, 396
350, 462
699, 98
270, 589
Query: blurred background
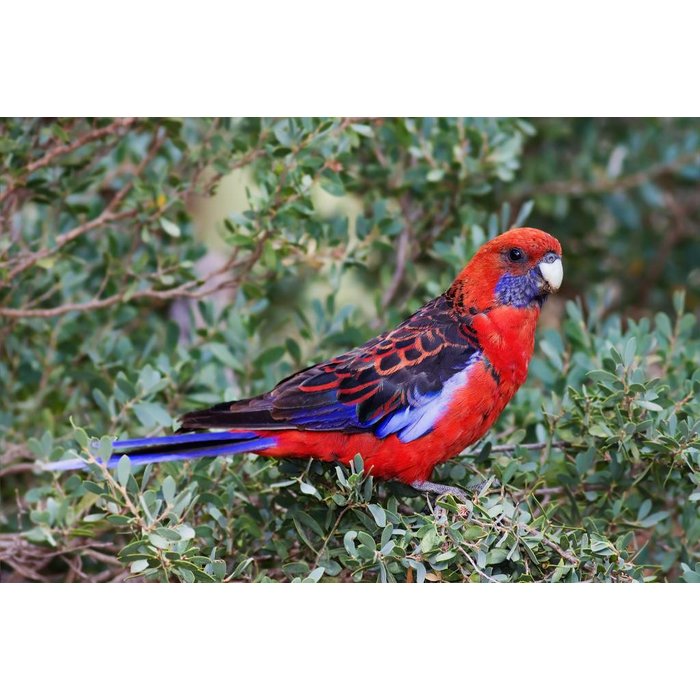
153, 266
621, 194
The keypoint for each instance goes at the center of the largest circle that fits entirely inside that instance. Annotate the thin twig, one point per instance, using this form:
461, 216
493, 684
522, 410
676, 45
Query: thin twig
94, 135
21, 468
183, 290
403, 253
549, 543
330, 534
108, 215
603, 185
476, 568
115, 127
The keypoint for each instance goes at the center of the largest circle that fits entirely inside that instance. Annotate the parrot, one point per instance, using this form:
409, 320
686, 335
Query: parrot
406, 400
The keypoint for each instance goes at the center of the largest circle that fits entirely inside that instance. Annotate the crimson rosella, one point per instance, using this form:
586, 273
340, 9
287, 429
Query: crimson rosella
406, 400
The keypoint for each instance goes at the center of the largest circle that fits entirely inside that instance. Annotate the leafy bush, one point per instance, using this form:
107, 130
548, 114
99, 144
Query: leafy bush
121, 309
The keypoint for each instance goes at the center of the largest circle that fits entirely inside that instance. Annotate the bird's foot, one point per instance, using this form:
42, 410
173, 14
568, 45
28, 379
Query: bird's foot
443, 489
440, 489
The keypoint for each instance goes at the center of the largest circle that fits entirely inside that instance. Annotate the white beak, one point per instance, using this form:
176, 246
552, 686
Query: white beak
553, 273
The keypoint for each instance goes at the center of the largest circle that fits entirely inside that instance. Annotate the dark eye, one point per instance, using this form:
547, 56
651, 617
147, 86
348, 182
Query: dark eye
516, 255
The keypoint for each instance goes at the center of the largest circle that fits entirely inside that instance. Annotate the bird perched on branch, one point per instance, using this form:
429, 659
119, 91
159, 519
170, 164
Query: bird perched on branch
406, 400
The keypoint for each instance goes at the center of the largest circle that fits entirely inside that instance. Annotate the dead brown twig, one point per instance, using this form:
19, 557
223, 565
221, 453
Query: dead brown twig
28, 561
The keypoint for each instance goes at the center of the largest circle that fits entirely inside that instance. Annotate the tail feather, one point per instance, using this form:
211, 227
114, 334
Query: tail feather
248, 414
182, 439
173, 448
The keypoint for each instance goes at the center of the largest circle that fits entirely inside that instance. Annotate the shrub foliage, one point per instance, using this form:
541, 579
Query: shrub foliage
120, 309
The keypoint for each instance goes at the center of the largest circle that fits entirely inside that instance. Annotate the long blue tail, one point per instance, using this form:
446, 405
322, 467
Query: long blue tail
173, 448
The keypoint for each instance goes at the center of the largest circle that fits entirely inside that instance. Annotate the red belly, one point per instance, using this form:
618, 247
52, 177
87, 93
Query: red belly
471, 412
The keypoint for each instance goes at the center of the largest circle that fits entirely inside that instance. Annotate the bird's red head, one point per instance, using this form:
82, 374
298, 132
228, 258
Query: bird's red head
518, 268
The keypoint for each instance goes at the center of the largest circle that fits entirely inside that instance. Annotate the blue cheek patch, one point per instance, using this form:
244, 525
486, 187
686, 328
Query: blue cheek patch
519, 290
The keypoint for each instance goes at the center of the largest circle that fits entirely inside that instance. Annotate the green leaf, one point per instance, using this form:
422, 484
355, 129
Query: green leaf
691, 575
496, 556
138, 566
185, 532
309, 489
104, 450
168, 488
600, 430
429, 541
118, 519
367, 540
644, 509
152, 415
315, 575
357, 463
94, 488
378, 514
653, 519
171, 228
349, 542
306, 520
47, 263
168, 534
270, 356
148, 378
224, 355
293, 349
158, 541
332, 184
185, 574
283, 132
218, 569
524, 213
679, 301
238, 571
363, 130
607, 378
123, 470
387, 549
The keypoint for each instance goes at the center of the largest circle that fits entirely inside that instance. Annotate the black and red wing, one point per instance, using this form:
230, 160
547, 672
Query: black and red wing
394, 383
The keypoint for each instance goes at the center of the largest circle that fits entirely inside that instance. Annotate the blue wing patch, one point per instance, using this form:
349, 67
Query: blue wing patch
423, 413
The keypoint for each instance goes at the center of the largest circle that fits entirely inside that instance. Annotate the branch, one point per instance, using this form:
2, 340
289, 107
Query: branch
474, 565
20, 468
603, 185
403, 254
108, 215
549, 543
184, 290
105, 217
244, 160
28, 560
115, 127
